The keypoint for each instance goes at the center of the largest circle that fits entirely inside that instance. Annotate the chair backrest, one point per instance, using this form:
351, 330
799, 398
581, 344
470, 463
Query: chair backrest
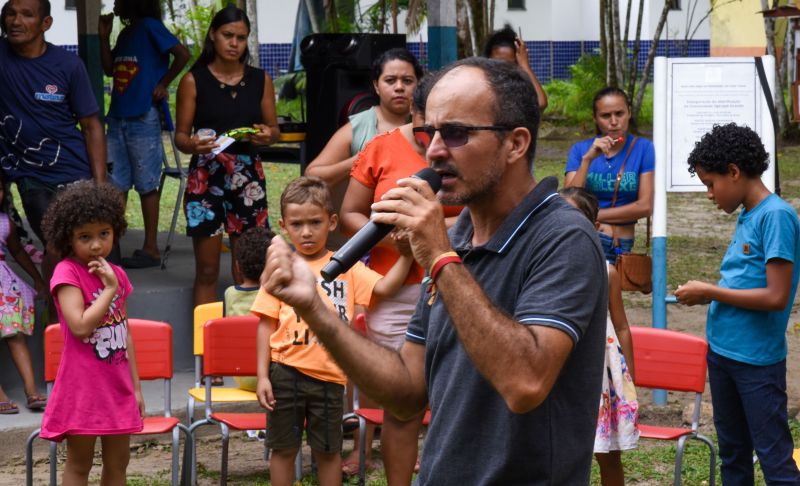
53, 349
669, 360
152, 341
202, 314
153, 344
229, 346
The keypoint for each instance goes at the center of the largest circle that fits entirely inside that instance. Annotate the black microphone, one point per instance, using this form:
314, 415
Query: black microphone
369, 235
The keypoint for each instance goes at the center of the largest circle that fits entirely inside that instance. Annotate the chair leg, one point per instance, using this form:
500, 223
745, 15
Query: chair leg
29, 457
362, 451
713, 458
223, 474
189, 408
53, 464
175, 452
188, 444
192, 450
679, 459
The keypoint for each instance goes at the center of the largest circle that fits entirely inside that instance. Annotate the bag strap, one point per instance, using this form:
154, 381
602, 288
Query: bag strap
616, 186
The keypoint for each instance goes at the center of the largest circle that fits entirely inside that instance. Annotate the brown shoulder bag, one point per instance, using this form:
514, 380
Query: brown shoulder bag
635, 269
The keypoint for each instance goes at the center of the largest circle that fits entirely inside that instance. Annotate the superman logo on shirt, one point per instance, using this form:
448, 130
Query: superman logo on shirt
123, 74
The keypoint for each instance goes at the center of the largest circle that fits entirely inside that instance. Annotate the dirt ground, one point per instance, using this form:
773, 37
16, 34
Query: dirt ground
246, 463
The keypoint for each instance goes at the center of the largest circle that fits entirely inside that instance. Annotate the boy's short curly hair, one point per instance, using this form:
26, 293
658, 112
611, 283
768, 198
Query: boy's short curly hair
250, 251
307, 189
729, 144
82, 203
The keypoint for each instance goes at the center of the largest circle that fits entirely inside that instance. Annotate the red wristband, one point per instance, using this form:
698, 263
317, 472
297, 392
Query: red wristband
441, 261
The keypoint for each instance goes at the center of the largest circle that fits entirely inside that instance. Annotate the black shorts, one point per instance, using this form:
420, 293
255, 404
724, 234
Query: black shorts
300, 399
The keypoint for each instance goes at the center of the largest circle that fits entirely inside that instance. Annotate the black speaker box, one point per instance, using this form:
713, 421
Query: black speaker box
338, 72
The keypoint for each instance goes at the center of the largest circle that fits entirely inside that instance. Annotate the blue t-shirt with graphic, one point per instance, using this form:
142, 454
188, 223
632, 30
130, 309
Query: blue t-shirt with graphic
771, 230
603, 172
140, 59
41, 100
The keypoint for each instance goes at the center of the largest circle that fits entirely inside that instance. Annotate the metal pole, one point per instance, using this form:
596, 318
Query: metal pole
660, 100
441, 33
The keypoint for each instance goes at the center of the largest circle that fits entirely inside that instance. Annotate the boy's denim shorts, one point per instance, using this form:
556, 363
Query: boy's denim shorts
135, 151
301, 399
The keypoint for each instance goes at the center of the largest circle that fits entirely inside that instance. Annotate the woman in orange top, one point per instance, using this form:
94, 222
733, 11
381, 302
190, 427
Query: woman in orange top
377, 168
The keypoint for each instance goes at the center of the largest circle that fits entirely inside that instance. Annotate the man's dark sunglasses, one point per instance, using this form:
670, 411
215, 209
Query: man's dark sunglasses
452, 135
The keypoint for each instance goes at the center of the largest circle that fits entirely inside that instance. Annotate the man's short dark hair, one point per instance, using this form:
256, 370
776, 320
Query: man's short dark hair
44, 8
729, 144
250, 251
515, 102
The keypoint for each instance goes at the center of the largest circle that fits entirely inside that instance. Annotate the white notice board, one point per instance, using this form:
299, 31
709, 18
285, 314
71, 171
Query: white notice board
702, 92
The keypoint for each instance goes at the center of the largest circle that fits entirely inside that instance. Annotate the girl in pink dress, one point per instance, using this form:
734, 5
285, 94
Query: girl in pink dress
96, 392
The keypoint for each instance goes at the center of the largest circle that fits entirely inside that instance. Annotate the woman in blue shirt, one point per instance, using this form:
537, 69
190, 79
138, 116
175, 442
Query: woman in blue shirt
595, 164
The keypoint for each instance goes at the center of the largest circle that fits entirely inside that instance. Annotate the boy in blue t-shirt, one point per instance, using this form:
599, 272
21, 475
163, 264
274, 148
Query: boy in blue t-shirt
142, 72
750, 306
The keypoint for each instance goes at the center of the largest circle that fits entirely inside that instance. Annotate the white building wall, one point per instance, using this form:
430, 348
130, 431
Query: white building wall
543, 20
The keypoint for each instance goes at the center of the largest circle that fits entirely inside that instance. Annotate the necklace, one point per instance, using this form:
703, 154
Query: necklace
232, 89
610, 161
229, 82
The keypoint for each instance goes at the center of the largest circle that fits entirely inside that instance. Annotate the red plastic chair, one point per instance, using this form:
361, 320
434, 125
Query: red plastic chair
368, 416
153, 344
229, 349
674, 361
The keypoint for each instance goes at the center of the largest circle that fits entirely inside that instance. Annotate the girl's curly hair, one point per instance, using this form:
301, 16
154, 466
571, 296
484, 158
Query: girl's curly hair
82, 203
729, 144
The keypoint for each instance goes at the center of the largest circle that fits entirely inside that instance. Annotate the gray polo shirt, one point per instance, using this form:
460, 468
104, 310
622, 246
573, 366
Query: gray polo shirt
544, 267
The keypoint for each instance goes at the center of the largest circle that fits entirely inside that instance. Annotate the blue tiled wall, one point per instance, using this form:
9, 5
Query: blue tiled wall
549, 60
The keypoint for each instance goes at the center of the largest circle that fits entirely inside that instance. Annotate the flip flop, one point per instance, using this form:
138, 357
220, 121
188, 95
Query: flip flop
36, 402
8, 408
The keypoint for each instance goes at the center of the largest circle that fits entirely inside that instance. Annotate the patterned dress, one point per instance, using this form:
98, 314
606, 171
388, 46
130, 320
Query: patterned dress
618, 415
16, 296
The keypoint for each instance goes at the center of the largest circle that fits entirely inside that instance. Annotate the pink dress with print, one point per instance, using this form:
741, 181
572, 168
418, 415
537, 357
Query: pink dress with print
16, 296
93, 392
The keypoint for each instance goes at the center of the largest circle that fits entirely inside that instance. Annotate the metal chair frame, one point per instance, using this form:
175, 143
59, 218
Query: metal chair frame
176, 172
158, 366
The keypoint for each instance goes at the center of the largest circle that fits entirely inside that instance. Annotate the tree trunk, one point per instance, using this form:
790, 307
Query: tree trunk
619, 49
603, 38
637, 47
626, 63
463, 29
651, 54
611, 46
252, 39
780, 105
394, 16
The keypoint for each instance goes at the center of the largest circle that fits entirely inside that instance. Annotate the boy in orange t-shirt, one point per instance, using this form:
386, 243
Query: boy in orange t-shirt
298, 381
